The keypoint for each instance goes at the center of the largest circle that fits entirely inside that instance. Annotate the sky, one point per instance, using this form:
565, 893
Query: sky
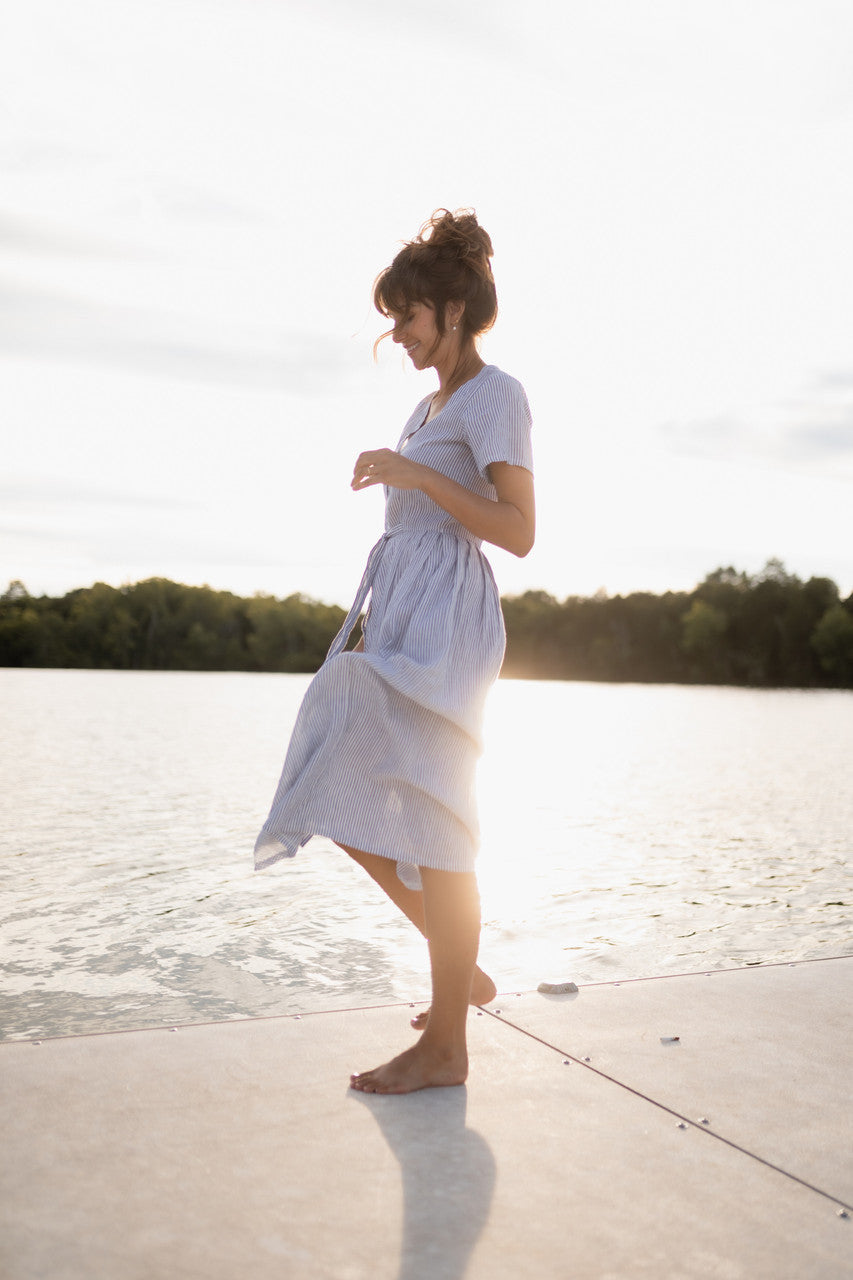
197, 195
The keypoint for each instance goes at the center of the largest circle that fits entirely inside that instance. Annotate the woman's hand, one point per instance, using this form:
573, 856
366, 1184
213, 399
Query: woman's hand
384, 466
510, 522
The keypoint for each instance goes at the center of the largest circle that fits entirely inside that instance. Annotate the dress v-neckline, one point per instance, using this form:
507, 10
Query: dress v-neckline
446, 404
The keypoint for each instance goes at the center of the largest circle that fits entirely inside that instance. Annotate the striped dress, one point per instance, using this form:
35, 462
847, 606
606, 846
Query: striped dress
383, 753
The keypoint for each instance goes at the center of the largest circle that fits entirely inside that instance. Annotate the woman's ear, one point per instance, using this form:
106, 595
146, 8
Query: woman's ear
453, 313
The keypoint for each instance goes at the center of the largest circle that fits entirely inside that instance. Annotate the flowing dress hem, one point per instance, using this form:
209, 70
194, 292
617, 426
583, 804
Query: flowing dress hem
432, 859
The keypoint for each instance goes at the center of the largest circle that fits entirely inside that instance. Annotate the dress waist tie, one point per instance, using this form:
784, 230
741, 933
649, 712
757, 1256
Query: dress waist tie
339, 643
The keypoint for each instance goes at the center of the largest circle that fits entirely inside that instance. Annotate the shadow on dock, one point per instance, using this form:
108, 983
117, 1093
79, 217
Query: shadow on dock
448, 1174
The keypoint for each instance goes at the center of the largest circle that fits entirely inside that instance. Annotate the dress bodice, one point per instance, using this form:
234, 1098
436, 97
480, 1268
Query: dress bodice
486, 420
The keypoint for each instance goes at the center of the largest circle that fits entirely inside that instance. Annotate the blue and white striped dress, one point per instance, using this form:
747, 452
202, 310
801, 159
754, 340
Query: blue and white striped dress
384, 749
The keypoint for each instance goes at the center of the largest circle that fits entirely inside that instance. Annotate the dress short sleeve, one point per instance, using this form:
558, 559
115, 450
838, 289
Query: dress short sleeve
498, 422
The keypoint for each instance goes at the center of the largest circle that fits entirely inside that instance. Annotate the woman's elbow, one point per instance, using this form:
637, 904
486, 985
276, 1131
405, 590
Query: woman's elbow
516, 531
523, 545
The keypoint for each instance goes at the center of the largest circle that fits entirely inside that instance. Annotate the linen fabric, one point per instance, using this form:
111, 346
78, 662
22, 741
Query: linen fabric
383, 753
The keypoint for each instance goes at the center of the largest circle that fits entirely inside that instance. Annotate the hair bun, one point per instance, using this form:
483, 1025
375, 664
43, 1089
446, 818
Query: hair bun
461, 234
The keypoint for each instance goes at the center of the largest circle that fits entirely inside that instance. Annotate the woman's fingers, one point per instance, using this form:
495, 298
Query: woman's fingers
385, 466
365, 471
378, 466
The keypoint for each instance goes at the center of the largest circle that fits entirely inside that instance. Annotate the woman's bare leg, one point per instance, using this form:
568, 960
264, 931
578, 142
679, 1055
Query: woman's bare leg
411, 903
440, 1057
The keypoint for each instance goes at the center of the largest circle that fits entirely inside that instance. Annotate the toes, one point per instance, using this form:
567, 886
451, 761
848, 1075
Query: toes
371, 1081
365, 1081
366, 1086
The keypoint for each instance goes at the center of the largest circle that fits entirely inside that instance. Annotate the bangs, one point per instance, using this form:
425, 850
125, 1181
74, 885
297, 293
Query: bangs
399, 286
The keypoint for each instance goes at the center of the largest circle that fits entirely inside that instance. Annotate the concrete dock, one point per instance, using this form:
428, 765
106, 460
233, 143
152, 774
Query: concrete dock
693, 1126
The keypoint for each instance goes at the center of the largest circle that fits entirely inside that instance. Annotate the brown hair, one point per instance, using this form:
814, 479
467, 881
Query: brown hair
448, 261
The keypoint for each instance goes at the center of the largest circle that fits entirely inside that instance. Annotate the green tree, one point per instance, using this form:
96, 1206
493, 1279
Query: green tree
291, 634
533, 641
703, 629
20, 636
832, 641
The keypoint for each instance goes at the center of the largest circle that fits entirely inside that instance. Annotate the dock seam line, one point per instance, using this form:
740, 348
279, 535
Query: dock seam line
768, 1164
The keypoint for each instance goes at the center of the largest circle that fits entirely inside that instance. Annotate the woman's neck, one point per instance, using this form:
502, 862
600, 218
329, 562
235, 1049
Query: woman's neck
456, 370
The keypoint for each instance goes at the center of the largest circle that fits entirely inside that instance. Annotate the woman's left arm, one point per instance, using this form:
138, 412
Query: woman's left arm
510, 522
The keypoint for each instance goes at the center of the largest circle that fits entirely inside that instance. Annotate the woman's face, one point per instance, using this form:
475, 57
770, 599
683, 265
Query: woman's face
415, 329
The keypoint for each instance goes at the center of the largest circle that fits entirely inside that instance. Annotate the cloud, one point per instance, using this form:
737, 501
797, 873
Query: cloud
54, 326
34, 236
836, 380
56, 493
453, 29
194, 203
811, 430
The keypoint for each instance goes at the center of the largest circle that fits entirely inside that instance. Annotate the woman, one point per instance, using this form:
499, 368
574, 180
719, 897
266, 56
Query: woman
384, 748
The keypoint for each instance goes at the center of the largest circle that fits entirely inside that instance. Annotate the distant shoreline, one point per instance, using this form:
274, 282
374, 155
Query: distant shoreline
769, 630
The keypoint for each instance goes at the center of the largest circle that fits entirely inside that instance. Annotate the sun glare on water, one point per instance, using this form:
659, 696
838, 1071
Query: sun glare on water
538, 783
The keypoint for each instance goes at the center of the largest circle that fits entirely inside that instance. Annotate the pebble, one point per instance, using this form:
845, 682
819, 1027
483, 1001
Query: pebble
557, 988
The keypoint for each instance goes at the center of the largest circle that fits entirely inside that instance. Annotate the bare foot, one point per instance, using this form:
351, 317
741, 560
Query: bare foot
417, 1068
483, 990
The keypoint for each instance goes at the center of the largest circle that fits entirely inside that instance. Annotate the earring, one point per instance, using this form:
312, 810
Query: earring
454, 328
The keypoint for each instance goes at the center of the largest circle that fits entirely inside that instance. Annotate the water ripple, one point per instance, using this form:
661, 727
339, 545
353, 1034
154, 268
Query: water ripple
660, 830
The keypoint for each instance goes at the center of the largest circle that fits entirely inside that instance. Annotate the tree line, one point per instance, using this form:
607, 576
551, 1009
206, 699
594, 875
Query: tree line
158, 625
770, 629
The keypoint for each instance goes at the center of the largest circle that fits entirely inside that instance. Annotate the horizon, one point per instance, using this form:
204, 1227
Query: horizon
773, 567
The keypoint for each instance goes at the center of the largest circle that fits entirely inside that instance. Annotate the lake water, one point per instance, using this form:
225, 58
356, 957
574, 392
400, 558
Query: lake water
628, 831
